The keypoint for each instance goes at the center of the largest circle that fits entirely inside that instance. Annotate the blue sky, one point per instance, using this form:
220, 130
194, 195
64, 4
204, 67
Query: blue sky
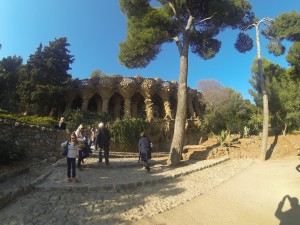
94, 29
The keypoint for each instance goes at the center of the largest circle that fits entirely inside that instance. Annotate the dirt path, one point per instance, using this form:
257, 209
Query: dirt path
251, 197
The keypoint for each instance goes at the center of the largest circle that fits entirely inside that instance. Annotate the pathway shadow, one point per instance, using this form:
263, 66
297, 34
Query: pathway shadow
292, 215
271, 149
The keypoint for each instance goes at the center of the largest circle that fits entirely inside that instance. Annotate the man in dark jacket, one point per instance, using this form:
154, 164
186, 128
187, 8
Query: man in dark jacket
145, 148
103, 138
62, 124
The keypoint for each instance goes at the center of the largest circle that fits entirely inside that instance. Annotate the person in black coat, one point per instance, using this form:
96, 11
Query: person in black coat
103, 138
145, 148
62, 124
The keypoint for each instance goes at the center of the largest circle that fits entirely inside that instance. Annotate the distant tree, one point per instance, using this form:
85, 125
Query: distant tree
286, 93
293, 58
43, 80
9, 75
226, 110
208, 85
188, 23
96, 74
285, 26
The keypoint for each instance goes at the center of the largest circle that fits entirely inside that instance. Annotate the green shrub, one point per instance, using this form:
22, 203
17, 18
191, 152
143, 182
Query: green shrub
35, 120
76, 117
126, 132
41, 121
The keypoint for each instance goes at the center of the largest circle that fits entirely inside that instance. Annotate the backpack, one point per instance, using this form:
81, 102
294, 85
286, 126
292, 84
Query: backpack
66, 149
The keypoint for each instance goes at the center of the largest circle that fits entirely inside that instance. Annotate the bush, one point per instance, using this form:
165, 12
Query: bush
8, 154
35, 120
41, 121
76, 117
126, 132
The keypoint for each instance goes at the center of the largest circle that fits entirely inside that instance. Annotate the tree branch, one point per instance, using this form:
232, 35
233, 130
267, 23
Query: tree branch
177, 41
177, 16
256, 24
201, 21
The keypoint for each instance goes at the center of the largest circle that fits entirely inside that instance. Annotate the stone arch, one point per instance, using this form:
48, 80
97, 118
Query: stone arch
173, 103
138, 108
77, 103
116, 106
158, 106
95, 103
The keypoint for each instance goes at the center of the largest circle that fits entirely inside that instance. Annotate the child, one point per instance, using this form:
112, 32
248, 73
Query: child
73, 149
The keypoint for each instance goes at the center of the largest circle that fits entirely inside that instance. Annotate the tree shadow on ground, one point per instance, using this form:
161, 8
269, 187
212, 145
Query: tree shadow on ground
271, 149
203, 153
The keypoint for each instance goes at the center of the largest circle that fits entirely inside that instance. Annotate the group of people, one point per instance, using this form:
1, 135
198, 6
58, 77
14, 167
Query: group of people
79, 146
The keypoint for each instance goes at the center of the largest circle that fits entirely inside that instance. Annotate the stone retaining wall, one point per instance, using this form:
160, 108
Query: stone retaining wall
42, 143
38, 142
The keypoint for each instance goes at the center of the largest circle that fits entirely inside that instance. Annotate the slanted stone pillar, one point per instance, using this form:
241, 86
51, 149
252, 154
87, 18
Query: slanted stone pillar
167, 106
117, 107
106, 90
105, 104
127, 107
149, 109
85, 103
127, 88
134, 109
165, 90
148, 88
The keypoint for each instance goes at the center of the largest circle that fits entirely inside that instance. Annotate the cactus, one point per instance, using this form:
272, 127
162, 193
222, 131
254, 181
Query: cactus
246, 132
223, 138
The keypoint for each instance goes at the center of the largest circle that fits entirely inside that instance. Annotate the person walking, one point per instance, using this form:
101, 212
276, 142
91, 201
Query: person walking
82, 144
145, 149
61, 124
72, 152
103, 138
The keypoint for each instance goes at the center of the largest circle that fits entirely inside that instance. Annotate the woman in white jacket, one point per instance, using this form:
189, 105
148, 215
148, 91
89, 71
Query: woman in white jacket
72, 147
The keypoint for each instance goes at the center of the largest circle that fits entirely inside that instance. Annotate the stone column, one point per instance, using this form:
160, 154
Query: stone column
134, 109
149, 108
105, 104
106, 90
117, 108
127, 88
167, 106
127, 108
85, 103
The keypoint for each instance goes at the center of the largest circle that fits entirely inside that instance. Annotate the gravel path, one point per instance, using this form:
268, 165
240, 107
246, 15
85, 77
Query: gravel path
118, 194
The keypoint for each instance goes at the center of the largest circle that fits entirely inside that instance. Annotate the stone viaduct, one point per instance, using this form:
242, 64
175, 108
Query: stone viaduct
126, 97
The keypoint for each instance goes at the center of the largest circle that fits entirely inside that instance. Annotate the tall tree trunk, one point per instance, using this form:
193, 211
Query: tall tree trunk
264, 141
179, 127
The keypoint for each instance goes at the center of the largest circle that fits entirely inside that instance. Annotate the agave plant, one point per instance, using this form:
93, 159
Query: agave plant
223, 138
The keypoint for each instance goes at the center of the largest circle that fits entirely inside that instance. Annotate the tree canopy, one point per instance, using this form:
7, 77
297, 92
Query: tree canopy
192, 25
43, 79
